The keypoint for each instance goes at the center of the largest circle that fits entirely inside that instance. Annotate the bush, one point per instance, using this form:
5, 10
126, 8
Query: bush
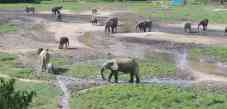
11, 99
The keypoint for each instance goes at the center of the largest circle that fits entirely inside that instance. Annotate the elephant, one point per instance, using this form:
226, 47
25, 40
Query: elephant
144, 25
63, 41
124, 65
56, 10
204, 24
108, 27
59, 16
112, 24
45, 57
30, 9
94, 20
187, 27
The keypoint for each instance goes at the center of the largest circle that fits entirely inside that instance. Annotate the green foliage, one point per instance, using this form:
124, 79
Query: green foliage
149, 97
7, 57
11, 99
47, 95
7, 27
218, 53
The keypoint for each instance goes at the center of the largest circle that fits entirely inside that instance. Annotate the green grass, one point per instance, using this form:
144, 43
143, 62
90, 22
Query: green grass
10, 66
47, 95
176, 13
7, 27
152, 66
217, 53
149, 97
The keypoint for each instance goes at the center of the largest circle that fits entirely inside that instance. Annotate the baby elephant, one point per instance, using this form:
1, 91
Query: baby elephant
124, 65
204, 24
144, 25
187, 27
30, 9
63, 41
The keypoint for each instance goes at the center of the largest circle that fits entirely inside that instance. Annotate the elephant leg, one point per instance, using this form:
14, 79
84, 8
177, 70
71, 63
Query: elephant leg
115, 76
112, 28
131, 78
110, 76
149, 29
137, 78
43, 67
144, 29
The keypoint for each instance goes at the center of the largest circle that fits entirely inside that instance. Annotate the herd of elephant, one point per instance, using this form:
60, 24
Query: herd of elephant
125, 65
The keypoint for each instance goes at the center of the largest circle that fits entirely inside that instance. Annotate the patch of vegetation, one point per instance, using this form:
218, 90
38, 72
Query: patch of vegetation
7, 27
12, 99
83, 70
47, 96
10, 67
217, 53
157, 67
181, 13
149, 97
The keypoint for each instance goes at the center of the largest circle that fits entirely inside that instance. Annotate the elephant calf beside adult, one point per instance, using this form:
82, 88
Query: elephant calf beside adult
124, 65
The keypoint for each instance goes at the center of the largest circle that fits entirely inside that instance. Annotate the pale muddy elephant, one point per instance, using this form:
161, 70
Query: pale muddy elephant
124, 65
44, 58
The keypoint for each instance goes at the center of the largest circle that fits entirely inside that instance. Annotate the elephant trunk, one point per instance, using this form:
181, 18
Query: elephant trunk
102, 70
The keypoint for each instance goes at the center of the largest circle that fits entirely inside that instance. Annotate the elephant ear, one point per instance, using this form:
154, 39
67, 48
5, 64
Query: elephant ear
115, 65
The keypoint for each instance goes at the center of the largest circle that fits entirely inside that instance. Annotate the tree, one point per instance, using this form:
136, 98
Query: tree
11, 99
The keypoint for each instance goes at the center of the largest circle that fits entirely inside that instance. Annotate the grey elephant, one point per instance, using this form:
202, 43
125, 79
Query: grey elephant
124, 65
63, 41
111, 24
30, 9
144, 25
56, 10
204, 24
187, 27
